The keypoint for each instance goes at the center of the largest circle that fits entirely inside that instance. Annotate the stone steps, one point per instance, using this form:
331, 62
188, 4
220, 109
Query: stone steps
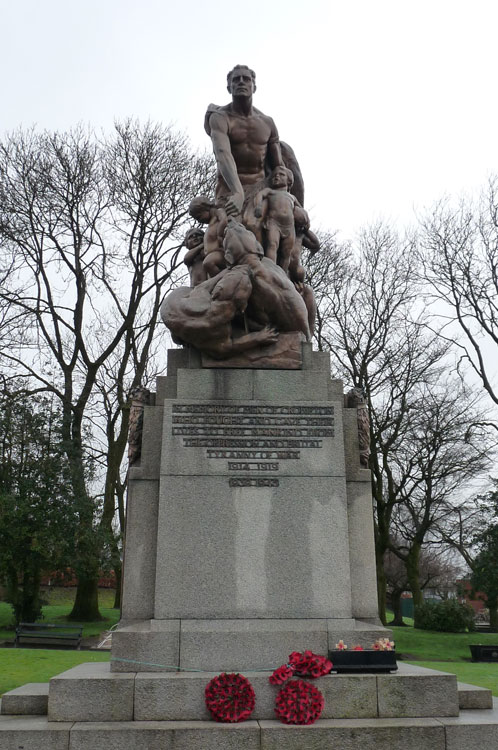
91, 692
160, 697
471, 730
30, 699
474, 697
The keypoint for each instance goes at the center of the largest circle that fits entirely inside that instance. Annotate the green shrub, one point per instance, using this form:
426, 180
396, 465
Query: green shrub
447, 616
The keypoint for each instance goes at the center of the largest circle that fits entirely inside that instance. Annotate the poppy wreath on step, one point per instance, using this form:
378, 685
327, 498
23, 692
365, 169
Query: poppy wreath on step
230, 697
299, 703
305, 664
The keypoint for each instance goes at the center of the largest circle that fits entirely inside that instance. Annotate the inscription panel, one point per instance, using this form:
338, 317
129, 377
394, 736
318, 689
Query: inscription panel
252, 440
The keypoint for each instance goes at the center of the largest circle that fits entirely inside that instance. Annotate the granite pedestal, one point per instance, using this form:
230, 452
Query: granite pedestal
250, 529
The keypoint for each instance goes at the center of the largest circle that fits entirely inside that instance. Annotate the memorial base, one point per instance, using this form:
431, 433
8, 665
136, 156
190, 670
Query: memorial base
91, 708
230, 645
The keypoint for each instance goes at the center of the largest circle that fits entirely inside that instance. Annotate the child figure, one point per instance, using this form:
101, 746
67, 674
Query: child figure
280, 212
194, 257
206, 212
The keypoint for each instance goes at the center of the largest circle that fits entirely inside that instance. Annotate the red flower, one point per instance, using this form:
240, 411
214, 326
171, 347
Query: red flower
299, 703
230, 697
358, 648
309, 664
281, 674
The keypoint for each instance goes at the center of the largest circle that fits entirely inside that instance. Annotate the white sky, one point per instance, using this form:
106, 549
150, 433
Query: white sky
389, 104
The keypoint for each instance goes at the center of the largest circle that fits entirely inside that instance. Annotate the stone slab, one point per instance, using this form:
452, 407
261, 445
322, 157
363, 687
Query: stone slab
139, 574
473, 730
181, 696
175, 735
29, 700
305, 437
238, 645
417, 692
91, 692
474, 697
33, 733
226, 552
359, 734
144, 646
364, 602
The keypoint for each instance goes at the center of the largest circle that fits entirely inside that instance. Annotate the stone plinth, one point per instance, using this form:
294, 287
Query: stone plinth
241, 520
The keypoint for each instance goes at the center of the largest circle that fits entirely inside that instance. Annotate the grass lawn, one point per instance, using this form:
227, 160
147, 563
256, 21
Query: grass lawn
21, 665
448, 652
60, 601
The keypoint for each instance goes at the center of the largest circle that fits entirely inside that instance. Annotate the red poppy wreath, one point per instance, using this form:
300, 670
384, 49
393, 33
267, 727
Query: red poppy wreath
299, 703
305, 664
230, 697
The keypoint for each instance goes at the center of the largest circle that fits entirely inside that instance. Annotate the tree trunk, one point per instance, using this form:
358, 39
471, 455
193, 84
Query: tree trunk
412, 563
86, 603
396, 605
118, 575
381, 587
493, 615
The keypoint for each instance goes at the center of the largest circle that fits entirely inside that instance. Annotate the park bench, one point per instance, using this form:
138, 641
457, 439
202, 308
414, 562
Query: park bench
47, 633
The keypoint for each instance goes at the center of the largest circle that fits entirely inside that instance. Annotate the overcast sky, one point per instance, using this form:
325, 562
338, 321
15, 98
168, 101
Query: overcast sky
388, 104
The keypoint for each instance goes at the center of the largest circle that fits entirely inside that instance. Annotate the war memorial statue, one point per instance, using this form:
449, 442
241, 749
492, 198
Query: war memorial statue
254, 290
249, 528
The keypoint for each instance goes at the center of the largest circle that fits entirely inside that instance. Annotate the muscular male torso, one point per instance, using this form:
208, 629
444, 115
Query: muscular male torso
249, 139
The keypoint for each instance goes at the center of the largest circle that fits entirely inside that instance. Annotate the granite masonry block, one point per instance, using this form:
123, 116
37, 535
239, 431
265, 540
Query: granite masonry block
171, 697
150, 457
354, 734
238, 645
119, 735
348, 696
207, 385
217, 444
303, 385
166, 388
473, 730
474, 697
318, 361
361, 550
145, 646
28, 700
140, 550
175, 735
33, 733
418, 693
226, 552
180, 696
89, 692
335, 390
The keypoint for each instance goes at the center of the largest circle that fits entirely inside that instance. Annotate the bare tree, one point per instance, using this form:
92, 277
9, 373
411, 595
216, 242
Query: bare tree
445, 446
372, 322
436, 570
472, 529
89, 236
460, 261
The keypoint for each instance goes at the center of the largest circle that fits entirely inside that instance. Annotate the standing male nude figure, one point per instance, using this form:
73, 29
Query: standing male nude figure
243, 140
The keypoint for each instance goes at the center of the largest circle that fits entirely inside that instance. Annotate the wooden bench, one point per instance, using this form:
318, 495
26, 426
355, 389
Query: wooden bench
47, 633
